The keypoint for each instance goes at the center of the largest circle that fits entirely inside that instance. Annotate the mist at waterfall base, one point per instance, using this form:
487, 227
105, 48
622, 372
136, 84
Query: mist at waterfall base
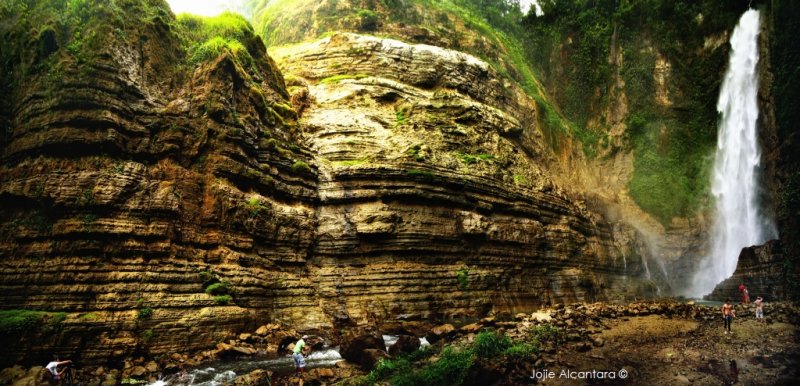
739, 221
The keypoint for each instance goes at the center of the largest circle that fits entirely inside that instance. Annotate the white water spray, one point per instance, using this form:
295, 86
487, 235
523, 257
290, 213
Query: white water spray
739, 221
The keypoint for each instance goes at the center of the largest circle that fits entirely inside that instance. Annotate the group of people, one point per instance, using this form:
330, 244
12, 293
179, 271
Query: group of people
728, 313
300, 349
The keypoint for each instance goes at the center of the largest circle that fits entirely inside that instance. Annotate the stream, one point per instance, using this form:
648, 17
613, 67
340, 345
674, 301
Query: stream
223, 371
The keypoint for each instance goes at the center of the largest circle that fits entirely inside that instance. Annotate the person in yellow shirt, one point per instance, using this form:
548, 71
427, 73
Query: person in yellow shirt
298, 356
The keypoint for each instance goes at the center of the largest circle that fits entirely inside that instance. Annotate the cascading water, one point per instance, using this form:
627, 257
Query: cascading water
739, 221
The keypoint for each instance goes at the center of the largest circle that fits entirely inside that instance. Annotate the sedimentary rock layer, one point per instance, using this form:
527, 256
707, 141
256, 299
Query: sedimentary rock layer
153, 206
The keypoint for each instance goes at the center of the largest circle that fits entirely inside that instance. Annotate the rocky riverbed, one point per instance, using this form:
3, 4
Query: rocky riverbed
663, 343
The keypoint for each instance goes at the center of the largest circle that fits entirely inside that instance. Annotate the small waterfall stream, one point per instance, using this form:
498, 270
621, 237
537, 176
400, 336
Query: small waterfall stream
221, 372
739, 221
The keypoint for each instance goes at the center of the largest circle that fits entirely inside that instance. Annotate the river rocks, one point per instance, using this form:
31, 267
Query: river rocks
19, 376
254, 378
363, 348
471, 328
229, 350
440, 332
405, 344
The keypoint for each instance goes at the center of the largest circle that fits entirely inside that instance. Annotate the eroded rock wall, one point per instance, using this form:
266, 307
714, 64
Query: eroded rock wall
125, 178
413, 186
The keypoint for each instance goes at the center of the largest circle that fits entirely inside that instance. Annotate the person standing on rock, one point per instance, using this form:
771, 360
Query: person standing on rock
52, 367
727, 315
297, 355
745, 294
759, 309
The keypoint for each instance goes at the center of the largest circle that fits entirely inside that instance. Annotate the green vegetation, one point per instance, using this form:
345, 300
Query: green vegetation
352, 162
462, 276
451, 369
414, 152
666, 181
64, 40
147, 335
256, 206
144, 313
670, 144
420, 173
454, 362
89, 316
209, 37
339, 78
20, 322
470, 159
212, 285
301, 167
489, 344
220, 288
522, 351
368, 19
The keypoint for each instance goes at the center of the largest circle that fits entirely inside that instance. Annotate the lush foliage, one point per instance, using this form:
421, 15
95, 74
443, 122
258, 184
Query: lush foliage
300, 167
489, 344
670, 143
209, 37
453, 363
144, 313
65, 38
16, 322
220, 288
450, 369
586, 54
462, 276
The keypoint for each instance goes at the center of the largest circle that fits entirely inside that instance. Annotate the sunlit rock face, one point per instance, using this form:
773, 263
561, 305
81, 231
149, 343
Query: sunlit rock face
434, 196
413, 186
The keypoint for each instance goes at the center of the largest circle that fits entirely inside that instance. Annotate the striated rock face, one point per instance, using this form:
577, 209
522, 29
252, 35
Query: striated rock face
434, 193
128, 181
153, 206
761, 269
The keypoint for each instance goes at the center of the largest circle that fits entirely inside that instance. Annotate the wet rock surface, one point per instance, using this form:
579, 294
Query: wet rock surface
660, 343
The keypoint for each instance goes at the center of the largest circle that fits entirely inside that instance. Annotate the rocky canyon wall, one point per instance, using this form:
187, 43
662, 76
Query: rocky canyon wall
152, 203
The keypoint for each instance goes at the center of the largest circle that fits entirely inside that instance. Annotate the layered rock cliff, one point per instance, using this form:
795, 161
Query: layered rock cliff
152, 202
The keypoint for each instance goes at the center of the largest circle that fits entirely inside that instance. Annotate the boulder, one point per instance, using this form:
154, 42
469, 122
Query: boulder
471, 328
151, 367
404, 344
254, 378
353, 347
439, 332
371, 356
229, 350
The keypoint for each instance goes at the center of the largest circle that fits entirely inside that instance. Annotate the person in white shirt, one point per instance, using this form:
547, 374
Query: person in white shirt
52, 367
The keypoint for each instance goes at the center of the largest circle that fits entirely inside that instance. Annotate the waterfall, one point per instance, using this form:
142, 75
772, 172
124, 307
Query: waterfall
738, 221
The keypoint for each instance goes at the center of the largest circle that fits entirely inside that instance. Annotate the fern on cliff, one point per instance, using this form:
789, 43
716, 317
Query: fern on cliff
209, 37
